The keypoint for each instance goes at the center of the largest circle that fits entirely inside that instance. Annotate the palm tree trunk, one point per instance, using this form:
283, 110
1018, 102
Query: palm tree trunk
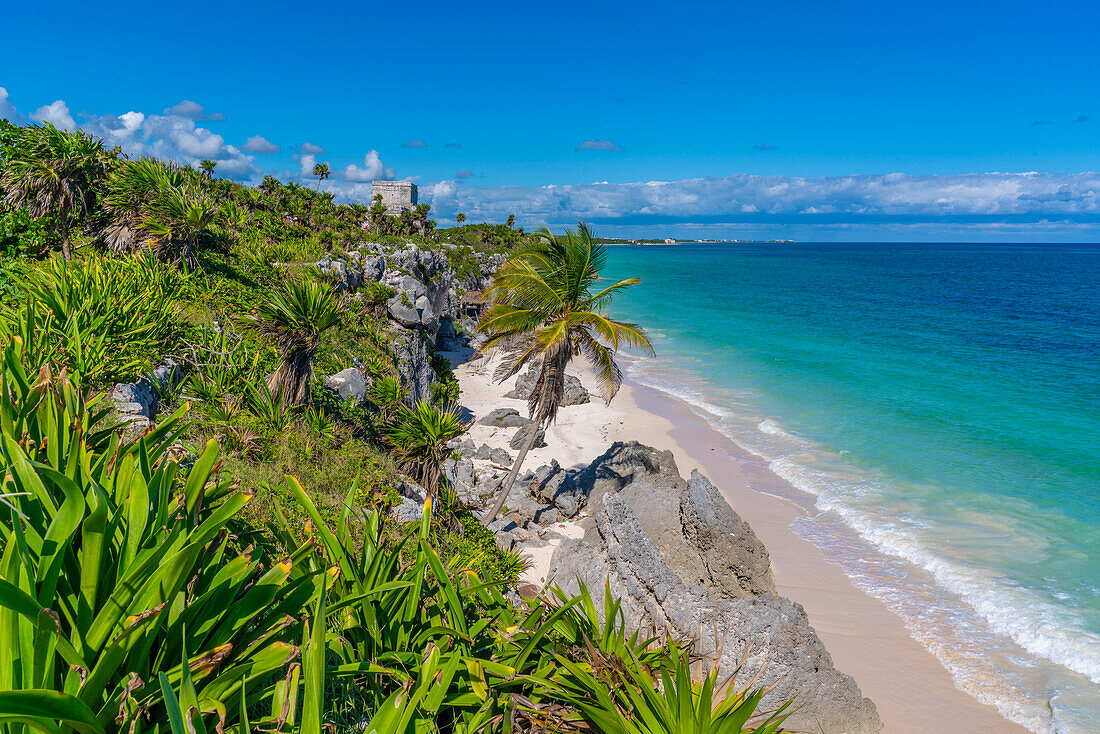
506, 488
66, 247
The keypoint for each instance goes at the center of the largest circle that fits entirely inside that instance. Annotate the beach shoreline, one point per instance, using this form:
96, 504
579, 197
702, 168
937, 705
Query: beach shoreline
910, 687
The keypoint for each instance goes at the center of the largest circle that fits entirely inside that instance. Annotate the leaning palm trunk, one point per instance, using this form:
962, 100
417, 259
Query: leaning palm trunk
542, 406
544, 311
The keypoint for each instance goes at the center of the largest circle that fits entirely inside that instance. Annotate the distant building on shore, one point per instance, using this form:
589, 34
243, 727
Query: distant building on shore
670, 242
398, 196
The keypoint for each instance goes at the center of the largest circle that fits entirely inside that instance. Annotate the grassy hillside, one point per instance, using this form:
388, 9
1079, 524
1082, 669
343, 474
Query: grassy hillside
232, 565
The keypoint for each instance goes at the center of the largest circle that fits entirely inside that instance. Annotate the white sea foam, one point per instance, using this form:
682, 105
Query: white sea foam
1044, 630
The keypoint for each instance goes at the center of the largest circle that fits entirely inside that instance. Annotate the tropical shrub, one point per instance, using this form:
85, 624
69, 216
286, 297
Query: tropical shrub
52, 173
420, 435
294, 318
102, 319
158, 207
118, 571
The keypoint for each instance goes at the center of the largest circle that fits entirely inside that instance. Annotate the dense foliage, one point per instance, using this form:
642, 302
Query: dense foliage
233, 565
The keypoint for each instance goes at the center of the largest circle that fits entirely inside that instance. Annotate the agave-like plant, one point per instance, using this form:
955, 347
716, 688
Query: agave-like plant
387, 395
294, 318
53, 173
635, 702
117, 567
420, 435
100, 318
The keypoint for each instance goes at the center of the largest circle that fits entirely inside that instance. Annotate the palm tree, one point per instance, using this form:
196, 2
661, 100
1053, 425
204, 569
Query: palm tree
460, 218
544, 312
295, 317
321, 171
207, 168
53, 172
157, 206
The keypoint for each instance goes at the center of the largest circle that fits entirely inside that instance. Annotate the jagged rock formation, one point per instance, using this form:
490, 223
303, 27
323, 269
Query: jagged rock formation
425, 305
575, 393
685, 564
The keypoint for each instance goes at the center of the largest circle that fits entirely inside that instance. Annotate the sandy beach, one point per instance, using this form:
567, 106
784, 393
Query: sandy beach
912, 690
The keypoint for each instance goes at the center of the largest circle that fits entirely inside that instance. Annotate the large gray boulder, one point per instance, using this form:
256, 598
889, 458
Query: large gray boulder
700, 536
504, 418
344, 275
520, 439
555, 485
770, 634
575, 393
350, 385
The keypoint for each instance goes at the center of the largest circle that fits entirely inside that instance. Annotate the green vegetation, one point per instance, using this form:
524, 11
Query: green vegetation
234, 566
544, 312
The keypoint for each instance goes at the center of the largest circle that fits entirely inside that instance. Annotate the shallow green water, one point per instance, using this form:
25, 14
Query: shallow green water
942, 402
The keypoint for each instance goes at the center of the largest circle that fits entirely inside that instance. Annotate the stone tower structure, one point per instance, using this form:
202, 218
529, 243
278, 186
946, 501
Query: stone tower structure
398, 196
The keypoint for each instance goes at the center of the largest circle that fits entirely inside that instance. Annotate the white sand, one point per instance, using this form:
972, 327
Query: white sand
912, 690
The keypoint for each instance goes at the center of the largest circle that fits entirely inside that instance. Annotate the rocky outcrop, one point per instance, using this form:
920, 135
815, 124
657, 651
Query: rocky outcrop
505, 418
520, 439
138, 402
414, 364
575, 393
686, 565
702, 539
769, 633
348, 385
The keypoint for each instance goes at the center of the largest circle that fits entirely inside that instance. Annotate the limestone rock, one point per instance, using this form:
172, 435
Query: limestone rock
500, 456
727, 545
782, 647
575, 393
349, 384
504, 418
555, 485
520, 439
414, 363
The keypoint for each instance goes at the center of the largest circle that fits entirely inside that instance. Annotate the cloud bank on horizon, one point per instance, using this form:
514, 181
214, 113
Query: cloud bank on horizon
738, 199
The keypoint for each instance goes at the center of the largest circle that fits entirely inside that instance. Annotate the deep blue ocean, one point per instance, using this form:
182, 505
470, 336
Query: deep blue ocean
941, 404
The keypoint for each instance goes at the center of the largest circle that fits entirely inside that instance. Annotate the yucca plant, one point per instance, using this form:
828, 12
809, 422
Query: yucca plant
268, 407
118, 567
420, 435
387, 395
294, 318
635, 702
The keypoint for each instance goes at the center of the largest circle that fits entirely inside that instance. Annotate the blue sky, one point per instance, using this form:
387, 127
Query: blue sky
762, 119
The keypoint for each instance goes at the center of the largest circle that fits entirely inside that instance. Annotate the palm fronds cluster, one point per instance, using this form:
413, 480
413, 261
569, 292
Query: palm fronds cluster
127, 603
547, 307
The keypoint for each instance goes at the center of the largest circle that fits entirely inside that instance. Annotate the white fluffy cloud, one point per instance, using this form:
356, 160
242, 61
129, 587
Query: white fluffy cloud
372, 169
7, 109
307, 162
311, 149
744, 198
192, 111
170, 137
258, 144
55, 113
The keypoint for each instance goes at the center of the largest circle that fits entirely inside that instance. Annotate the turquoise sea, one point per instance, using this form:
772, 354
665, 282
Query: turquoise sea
941, 405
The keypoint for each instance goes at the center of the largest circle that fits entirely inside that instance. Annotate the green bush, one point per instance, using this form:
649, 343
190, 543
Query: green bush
102, 319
